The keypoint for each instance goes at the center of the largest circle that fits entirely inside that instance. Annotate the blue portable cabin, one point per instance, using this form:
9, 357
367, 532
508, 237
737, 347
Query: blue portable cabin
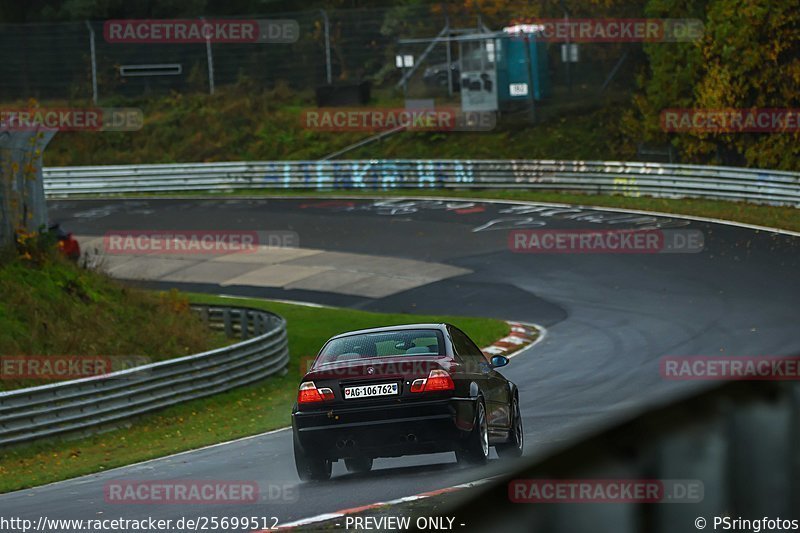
513, 78
494, 69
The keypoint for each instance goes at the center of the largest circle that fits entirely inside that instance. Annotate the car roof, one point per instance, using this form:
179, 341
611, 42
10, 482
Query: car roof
385, 329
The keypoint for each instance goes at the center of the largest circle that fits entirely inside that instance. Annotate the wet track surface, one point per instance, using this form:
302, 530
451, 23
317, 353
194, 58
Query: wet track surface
610, 318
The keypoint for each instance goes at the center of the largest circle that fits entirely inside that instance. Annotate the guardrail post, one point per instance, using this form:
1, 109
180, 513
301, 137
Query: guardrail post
243, 323
226, 318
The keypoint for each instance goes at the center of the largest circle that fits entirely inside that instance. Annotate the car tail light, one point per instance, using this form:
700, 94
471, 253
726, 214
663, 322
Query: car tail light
418, 385
438, 380
309, 393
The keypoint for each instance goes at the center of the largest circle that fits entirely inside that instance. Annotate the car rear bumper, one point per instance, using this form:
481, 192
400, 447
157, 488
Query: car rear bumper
386, 430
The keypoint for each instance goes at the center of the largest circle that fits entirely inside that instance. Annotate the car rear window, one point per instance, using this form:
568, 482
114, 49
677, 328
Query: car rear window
408, 342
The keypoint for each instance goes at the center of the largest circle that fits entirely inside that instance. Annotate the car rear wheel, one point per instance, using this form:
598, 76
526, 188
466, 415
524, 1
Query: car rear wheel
358, 464
513, 448
476, 448
310, 468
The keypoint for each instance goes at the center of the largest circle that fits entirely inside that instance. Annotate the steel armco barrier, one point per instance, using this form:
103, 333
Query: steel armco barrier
86, 404
599, 177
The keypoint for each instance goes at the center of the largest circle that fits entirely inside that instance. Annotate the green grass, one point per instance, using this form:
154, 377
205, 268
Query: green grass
51, 307
245, 122
244, 411
309, 327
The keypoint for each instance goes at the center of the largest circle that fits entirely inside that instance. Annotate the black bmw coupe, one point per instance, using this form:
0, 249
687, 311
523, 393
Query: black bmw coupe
403, 390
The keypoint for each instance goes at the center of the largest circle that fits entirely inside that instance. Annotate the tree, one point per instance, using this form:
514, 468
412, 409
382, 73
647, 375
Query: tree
748, 57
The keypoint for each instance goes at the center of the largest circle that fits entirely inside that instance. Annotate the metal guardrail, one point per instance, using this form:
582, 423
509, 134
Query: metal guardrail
86, 404
599, 177
739, 443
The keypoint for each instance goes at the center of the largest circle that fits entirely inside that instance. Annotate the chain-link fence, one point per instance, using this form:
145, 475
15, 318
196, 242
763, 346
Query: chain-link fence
74, 61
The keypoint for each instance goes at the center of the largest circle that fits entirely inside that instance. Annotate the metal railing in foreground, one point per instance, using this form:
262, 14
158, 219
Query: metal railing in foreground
732, 451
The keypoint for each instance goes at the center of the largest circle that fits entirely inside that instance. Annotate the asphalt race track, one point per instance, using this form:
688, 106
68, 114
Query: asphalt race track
609, 319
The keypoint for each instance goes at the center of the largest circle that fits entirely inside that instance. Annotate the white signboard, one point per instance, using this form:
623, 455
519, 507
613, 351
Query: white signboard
478, 91
402, 61
518, 89
569, 53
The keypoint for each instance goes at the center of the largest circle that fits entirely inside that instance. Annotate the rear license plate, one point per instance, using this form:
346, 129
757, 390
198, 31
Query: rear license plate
366, 391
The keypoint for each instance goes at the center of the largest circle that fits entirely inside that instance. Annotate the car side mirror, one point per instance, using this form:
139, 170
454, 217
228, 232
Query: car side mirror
499, 360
